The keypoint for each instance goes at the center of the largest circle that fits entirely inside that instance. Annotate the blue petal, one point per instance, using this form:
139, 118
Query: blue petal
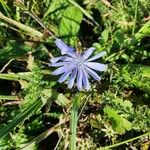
58, 64
59, 70
72, 78
88, 53
96, 66
63, 46
73, 55
68, 59
66, 74
86, 83
97, 56
79, 78
92, 73
56, 59
60, 44
71, 49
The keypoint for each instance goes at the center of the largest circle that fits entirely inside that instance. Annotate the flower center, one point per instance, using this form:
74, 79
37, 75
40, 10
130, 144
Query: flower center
79, 60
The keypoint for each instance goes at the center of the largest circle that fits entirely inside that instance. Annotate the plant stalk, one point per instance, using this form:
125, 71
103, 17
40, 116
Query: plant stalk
135, 17
30, 31
73, 122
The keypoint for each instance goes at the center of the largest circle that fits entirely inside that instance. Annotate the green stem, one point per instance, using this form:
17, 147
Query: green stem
8, 97
39, 21
124, 142
73, 122
30, 31
135, 17
20, 39
21, 75
5, 7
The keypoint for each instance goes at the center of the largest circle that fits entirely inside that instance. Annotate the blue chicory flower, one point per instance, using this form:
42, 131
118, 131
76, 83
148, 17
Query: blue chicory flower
77, 66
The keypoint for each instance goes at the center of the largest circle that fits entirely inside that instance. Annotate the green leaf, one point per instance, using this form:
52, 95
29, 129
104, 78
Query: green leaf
62, 100
127, 104
119, 36
56, 6
136, 76
119, 123
105, 35
144, 31
83, 10
70, 23
47, 93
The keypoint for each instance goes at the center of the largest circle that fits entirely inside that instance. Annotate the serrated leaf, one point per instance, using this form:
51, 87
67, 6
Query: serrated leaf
127, 104
62, 100
47, 93
24, 84
144, 31
119, 36
55, 6
119, 123
122, 125
70, 23
104, 35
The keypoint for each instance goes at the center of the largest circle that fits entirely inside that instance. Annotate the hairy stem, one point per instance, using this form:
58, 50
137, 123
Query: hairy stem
73, 122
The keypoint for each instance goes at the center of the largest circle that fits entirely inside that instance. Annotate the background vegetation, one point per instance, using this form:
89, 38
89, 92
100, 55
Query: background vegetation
35, 109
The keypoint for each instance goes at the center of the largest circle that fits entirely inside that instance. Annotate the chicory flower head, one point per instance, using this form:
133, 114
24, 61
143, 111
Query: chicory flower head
77, 67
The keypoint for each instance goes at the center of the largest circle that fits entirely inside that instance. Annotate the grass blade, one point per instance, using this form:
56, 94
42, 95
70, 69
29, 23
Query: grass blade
20, 117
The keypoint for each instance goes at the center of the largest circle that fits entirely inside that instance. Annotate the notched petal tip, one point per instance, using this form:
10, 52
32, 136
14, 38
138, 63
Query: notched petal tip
101, 54
63, 47
53, 73
88, 53
96, 66
59, 71
92, 73
55, 59
59, 43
